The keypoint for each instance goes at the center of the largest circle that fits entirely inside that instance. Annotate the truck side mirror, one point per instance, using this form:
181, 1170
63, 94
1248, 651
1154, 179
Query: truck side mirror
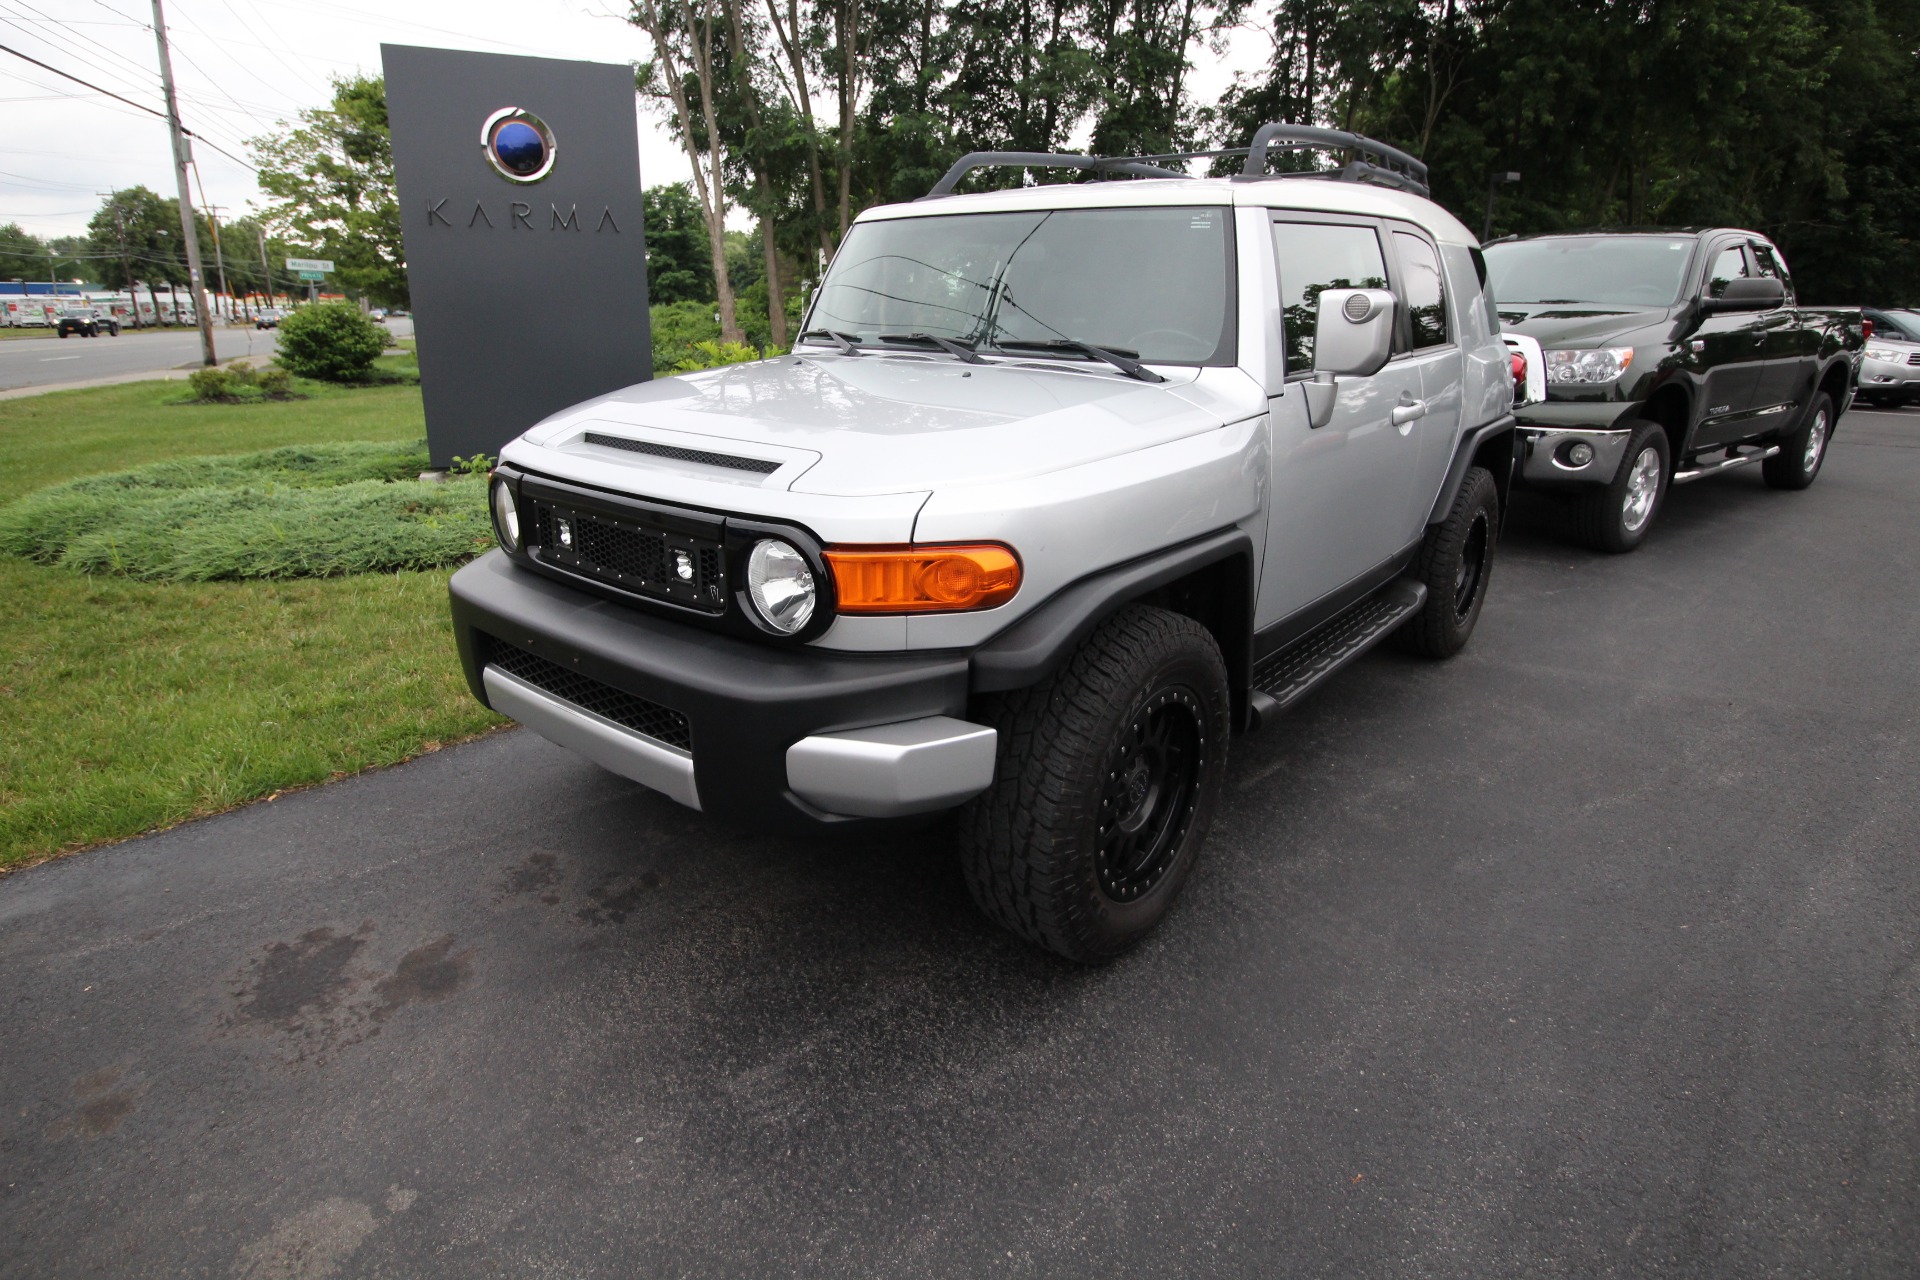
1748, 293
1352, 338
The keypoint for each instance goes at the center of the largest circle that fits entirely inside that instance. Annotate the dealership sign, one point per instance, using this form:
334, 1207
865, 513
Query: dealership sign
519, 186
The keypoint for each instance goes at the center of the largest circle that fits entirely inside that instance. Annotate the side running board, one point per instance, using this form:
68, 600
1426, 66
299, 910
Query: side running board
1736, 457
1283, 678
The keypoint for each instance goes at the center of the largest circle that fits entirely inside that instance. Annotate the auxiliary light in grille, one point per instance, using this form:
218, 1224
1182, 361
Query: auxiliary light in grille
662, 724
731, 461
631, 554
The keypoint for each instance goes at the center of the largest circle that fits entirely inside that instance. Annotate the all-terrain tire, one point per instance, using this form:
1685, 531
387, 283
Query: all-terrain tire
1803, 449
1456, 564
1106, 782
1616, 516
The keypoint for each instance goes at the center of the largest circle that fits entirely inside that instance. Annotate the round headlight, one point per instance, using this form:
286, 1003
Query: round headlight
506, 516
780, 584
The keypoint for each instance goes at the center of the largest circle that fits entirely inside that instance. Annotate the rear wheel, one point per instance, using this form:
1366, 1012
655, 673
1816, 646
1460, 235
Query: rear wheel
1616, 516
1804, 449
1455, 563
1108, 774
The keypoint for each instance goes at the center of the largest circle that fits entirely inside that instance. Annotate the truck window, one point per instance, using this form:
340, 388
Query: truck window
1729, 264
1426, 296
1314, 257
1771, 264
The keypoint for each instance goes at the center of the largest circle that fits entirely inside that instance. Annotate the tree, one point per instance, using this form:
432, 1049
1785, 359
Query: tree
22, 255
679, 267
331, 179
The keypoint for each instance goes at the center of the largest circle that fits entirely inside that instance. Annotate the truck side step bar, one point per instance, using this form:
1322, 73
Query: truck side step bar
1736, 457
1283, 678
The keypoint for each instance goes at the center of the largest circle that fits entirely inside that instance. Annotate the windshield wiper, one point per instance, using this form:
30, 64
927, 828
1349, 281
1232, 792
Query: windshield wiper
948, 345
1119, 359
845, 341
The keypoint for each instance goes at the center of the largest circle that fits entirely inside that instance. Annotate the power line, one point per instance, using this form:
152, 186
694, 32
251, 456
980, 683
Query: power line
129, 101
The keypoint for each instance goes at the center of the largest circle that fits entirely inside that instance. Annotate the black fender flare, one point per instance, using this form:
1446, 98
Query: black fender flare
1482, 444
1029, 650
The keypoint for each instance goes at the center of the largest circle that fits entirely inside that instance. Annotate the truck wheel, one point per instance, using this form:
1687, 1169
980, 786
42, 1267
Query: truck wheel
1455, 562
1802, 450
1108, 774
1617, 516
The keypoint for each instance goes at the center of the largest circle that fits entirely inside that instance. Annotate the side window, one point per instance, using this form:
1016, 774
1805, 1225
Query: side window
1486, 292
1728, 265
1314, 257
1426, 294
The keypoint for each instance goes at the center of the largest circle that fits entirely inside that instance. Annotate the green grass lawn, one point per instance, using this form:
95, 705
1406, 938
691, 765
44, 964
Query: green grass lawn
126, 706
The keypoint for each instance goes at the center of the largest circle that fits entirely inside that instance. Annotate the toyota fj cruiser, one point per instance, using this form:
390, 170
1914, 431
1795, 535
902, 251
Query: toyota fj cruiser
1673, 355
1061, 488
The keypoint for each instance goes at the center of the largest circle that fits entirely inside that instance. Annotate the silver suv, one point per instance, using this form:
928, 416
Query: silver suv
1063, 487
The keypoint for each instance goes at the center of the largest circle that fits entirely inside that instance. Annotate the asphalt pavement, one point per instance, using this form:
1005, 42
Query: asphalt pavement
1590, 952
29, 362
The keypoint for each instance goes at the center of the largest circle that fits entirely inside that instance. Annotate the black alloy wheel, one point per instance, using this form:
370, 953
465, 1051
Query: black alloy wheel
1148, 800
1455, 562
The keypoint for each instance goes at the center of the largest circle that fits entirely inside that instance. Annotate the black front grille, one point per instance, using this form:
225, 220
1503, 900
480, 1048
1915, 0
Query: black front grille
632, 554
731, 461
663, 724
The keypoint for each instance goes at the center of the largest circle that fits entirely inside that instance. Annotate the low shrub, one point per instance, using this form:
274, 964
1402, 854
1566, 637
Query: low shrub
282, 513
713, 355
239, 384
275, 384
211, 385
330, 341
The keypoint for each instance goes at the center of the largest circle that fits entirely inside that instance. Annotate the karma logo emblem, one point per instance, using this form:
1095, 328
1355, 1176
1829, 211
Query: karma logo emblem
518, 145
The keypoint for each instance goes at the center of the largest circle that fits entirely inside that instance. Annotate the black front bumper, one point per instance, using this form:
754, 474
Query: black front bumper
745, 702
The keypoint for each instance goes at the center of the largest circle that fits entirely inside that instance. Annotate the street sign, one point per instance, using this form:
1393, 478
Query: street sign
313, 275
304, 265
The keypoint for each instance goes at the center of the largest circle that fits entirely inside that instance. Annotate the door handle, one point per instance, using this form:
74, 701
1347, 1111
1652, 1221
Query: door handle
1407, 410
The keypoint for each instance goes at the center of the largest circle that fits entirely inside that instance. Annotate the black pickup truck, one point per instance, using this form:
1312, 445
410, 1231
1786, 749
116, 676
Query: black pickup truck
1671, 355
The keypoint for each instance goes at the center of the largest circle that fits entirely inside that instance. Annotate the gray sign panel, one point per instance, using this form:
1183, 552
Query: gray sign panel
519, 188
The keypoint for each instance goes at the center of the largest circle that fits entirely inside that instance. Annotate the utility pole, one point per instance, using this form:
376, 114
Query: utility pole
181, 159
266, 268
219, 260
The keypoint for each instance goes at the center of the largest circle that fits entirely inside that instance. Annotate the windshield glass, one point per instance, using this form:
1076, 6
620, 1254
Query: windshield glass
1157, 281
1624, 271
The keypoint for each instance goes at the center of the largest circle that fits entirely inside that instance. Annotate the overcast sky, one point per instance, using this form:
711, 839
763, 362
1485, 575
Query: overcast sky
243, 65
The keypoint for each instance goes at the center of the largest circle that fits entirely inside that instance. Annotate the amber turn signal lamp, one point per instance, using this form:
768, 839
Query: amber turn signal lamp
923, 579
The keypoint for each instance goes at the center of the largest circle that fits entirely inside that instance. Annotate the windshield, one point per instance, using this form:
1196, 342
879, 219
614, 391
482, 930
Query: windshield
1622, 271
1156, 281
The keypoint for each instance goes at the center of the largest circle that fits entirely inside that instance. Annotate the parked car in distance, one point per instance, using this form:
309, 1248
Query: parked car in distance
377, 313
1061, 487
1671, 355
1899, 324
87, 322
268, 318
1890, 369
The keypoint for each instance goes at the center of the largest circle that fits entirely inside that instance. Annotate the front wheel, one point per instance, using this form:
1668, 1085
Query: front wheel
1107, 778
1455, 563
1616, 517
1802, 451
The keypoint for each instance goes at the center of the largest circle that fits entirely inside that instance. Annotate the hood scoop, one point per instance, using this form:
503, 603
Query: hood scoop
704, 457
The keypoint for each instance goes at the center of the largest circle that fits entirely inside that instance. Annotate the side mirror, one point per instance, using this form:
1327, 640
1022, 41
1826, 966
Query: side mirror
1352, 338
1747, 294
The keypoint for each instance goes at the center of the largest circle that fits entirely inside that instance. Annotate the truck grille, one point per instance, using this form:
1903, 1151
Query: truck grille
1914, 358
647, 560
662, 724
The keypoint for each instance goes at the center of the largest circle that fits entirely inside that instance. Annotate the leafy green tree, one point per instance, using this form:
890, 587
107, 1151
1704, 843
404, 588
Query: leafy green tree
331, 179
22, 255
679, 268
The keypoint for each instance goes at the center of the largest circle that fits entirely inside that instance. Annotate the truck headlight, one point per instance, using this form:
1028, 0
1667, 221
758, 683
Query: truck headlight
1889, 355
1586, 367
506, 516
780, 584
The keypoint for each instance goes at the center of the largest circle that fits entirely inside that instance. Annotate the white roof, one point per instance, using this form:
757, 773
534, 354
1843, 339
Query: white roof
1312, 195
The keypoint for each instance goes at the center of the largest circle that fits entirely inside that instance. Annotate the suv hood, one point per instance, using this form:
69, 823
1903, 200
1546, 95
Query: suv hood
875, 424
1575, 324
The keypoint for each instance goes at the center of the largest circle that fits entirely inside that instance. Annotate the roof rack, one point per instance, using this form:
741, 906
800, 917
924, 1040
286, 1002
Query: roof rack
1372, 161
1045, 160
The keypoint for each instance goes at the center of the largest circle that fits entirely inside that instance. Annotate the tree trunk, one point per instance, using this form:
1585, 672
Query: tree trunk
789, 37
776, 293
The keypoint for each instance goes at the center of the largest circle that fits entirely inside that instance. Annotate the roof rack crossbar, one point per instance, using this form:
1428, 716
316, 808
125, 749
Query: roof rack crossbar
1046, 160
1372, 161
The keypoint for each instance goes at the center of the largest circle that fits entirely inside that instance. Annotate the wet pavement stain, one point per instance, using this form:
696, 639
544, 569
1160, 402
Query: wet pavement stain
425, 975
309, 975
101, 1106
540, 875
616, 897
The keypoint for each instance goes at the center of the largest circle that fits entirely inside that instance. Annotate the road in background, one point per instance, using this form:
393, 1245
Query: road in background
1590, 952
49, 361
